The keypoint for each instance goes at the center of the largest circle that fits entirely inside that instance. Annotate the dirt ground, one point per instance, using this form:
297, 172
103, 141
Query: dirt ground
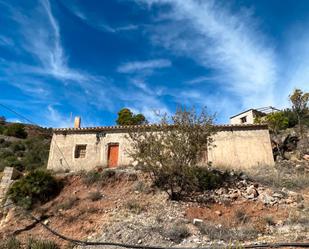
129, 210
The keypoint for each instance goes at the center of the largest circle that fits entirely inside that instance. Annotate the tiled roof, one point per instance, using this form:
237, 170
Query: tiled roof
127, 127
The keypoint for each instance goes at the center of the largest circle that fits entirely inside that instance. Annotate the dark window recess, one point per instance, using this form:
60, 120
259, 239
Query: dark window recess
243, 119
80, 151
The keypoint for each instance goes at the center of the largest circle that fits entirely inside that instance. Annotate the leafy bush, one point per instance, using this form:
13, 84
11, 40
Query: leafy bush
18, 146
41, 244
37, 186
16, 130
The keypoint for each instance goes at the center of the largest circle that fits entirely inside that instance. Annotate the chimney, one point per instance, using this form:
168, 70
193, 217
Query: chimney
77, 121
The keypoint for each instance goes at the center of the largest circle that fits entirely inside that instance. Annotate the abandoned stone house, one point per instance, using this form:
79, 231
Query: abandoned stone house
84, 148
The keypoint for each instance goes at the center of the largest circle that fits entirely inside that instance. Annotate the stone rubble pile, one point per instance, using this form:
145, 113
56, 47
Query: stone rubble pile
246, 190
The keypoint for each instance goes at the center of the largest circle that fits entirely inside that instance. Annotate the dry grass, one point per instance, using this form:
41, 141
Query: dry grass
279, 177
95, 196
68, 204
134, 206
177, 232
216, 232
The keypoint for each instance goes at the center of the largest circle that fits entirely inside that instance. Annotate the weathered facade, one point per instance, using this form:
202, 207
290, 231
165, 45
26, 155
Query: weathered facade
246, 117
236, 146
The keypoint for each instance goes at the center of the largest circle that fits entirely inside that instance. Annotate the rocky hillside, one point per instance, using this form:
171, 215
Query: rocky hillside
23, 146
123, 206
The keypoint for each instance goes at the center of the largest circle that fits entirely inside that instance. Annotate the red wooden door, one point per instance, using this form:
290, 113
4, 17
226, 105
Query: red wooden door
113, 150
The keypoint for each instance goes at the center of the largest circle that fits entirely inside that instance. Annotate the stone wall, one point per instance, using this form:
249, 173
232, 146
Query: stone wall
236, 147
9, 175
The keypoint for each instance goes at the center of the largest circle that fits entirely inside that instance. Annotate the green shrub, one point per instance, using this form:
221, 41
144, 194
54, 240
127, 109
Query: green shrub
2, 129
36, 155
208, 179
12, 161
37, 187
5, 153
41, 244
95, 177
18, 146
16, 130
10, 243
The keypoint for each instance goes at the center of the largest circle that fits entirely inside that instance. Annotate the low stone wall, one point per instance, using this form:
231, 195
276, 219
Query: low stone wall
9, 175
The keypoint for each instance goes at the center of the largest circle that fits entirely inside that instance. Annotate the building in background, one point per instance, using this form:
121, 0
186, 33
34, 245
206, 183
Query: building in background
248, 116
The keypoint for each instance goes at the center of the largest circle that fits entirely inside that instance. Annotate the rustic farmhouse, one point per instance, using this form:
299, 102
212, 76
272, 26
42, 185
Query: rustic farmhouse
84, 148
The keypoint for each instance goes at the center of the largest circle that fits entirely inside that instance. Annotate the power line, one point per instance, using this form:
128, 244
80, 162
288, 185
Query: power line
34, 123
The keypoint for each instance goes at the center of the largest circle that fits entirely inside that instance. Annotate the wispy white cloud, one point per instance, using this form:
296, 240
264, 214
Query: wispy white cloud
138, 66
230, 44
98, 23
203, 79
55, 119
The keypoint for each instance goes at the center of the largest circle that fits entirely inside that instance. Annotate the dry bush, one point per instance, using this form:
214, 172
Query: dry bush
177, 232
170, 150
241, 216
95, 196
134, 206
215, 232
269, 220
68, 204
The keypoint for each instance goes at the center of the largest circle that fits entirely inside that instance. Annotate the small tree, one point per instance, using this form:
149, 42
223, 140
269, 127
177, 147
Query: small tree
277, 121
299, 101
171, 150
126, 117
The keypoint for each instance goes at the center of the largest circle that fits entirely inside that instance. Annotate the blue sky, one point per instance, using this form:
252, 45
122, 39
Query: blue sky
92, 58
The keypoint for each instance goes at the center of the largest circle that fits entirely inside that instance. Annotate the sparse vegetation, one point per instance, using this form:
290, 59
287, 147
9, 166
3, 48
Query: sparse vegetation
280, 177
177, 232
16, 130
96, 177
38, 186
216, 232
41, 244
95, 196
10, 243
68, 204
134, 206
241, 216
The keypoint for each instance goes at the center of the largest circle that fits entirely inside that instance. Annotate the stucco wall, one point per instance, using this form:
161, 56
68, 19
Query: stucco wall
237, 119
241, 148
61, 156
234, 147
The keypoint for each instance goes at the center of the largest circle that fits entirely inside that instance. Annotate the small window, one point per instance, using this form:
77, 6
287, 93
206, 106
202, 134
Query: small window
80, 151
243, 119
